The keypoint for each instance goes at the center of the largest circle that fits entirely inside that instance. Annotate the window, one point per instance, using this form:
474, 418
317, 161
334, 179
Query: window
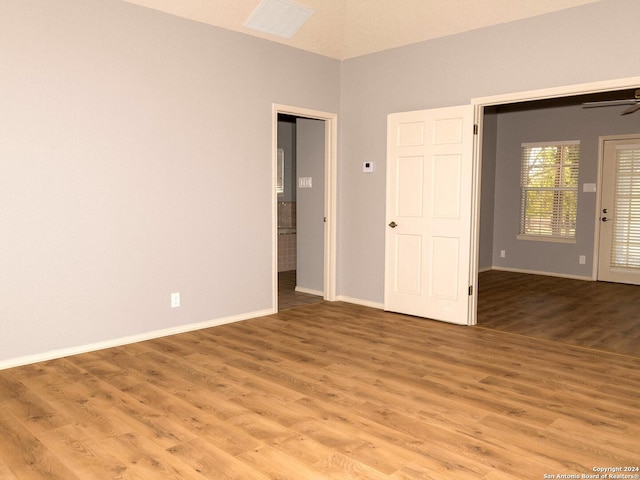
549, 191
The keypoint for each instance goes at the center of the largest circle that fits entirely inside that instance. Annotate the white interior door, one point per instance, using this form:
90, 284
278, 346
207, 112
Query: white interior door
619, 247
428, 213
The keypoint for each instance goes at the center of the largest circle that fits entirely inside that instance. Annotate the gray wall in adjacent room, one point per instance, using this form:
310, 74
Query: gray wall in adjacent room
549, 125
310, 145
487, 189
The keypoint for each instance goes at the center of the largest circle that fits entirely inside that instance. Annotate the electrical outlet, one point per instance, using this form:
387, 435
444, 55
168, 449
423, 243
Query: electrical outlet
503, 253
582, 260
175, 300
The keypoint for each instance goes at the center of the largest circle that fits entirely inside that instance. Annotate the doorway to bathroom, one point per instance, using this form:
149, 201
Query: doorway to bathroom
304, 179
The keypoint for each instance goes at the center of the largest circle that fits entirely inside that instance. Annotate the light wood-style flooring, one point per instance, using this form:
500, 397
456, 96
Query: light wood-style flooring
324, 391
597, 315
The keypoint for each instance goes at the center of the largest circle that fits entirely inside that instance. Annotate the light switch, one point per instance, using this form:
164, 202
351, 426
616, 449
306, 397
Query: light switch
304, 182
589, 187
367, 167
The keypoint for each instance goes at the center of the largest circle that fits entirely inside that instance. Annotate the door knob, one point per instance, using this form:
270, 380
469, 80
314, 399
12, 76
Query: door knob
605, 219
393, 224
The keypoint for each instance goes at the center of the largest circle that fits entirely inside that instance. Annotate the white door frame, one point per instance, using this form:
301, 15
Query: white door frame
330, 192
479, 104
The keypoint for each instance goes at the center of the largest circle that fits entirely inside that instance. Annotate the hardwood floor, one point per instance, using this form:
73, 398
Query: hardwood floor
324, 391
598, 315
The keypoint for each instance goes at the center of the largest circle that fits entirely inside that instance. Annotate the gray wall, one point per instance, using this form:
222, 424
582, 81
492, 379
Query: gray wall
135, 161
487, 189
548, 125
135, 153
310, 205
584, 44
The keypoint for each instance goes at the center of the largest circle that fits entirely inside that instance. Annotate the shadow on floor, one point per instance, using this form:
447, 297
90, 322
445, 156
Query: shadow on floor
597, 315
287, 295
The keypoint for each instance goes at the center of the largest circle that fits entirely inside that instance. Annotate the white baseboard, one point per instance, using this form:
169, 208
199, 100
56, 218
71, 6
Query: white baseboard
358, 301
538, 272
310, 291
117, 342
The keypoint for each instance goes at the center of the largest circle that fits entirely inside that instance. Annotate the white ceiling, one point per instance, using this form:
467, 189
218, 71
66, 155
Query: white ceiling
344, 29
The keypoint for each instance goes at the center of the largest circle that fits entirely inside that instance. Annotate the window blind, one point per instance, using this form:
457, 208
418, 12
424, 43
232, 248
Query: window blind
626, 225
549, 189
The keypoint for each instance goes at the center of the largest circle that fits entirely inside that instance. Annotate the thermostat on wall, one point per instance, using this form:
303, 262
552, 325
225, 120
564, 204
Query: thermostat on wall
367, 167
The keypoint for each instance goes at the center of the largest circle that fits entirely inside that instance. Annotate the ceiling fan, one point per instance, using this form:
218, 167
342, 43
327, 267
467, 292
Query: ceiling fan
634, 102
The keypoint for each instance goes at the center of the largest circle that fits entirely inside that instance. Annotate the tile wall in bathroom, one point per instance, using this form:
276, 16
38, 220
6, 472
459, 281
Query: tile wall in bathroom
287, 214
287, 239
287, 252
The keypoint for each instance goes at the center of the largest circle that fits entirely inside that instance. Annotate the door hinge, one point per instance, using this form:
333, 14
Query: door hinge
475, 128
470, 290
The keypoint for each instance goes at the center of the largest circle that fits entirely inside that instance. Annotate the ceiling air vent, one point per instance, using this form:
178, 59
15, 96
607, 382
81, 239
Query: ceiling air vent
278, 17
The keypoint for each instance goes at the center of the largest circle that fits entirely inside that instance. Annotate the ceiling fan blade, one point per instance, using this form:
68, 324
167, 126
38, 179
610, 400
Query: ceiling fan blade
635, 108
609, 103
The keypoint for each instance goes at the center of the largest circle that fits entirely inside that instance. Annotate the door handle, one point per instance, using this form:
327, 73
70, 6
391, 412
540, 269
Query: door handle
393, 224
604, 219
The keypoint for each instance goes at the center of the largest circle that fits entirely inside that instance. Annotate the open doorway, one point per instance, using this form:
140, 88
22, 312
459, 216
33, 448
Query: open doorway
552, 279
304, 154
513, 237
300, 189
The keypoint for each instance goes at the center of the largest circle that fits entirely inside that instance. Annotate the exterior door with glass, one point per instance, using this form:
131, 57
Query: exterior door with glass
619, 246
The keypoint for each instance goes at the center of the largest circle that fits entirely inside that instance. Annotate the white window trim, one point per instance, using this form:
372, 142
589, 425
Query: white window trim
545, 238
548, 144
